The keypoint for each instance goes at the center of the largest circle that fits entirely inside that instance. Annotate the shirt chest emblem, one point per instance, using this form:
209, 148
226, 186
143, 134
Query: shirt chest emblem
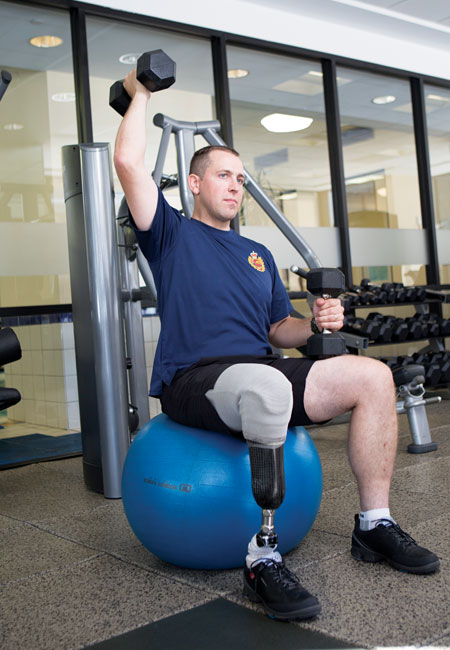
256, 261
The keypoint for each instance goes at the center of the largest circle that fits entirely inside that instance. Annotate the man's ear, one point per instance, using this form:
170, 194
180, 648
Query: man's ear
193, 182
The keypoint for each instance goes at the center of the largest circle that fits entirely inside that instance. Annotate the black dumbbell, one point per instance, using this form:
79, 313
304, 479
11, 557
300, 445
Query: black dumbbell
421, 294
416, 329
444, 324
399, 328
361, 327
326, 283
432, 367
155, 70
430, 327
390, 291
386, 328
378, 295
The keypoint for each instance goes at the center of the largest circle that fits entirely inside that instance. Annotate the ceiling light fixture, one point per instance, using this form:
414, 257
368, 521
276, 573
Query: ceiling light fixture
384, 99
237, 73
438, 98
45, 41
13, 127
63, 97
288, 196
129, 59
282, 123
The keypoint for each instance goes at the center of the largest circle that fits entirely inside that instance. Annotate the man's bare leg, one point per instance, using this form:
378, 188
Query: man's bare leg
365, 387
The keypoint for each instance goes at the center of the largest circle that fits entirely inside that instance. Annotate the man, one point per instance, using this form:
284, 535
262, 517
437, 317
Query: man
222, 304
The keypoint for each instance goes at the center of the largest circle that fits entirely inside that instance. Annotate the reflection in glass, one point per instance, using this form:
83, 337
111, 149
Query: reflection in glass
437, 103
291, 166
37, 117
380, 168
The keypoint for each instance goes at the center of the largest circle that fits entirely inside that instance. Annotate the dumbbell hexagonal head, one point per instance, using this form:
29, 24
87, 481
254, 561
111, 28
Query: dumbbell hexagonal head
156, 70
325, 282
331, 344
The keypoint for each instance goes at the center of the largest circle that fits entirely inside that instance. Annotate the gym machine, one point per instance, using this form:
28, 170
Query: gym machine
10, 351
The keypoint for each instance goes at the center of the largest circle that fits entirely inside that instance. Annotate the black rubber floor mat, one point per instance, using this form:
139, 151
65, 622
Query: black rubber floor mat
37, 447
220, 625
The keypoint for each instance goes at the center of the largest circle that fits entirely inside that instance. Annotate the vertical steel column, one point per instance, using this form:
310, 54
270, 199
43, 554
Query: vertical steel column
333, 120
81, 74
222, 96
425, 183
97, 314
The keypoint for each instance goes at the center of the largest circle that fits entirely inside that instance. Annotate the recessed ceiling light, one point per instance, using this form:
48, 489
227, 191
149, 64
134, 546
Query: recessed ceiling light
63, 97
129, 59
288, 196
282, 123
315, 73
13, 127
237, 73
45, 41
438, 98
384, 99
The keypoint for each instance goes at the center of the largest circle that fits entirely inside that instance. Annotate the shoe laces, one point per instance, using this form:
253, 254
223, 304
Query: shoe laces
280, 573
394, 529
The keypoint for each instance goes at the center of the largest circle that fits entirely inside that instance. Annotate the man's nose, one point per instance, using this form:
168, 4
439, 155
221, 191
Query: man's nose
234, 185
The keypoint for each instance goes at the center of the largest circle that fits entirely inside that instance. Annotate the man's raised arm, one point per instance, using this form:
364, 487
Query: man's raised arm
129, 156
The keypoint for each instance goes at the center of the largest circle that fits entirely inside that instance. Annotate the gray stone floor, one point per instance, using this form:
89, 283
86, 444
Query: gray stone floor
72, 572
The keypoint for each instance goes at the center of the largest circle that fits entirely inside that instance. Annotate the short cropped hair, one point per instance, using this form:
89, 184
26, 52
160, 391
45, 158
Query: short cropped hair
200, 159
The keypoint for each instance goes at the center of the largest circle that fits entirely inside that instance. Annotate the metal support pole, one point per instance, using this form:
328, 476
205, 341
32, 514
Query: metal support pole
97, 315
134, 332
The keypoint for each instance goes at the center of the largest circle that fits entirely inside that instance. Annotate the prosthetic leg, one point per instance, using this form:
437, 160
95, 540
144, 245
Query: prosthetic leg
268, 487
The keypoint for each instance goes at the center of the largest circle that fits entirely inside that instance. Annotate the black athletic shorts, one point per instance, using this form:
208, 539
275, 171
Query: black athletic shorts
185, 399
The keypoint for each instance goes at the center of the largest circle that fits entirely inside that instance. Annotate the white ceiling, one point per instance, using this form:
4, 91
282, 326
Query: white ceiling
420, 21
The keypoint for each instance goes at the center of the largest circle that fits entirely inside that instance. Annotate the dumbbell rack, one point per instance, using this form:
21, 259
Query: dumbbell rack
432, 303
409, 384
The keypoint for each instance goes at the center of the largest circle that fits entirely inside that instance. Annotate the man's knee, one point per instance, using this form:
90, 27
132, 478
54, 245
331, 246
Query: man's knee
255, 399
339, 384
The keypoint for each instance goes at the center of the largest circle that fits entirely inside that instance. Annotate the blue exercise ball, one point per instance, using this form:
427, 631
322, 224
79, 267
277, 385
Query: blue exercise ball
187, 494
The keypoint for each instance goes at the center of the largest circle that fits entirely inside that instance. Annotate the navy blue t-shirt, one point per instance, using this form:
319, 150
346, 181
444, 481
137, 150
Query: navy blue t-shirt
218, 292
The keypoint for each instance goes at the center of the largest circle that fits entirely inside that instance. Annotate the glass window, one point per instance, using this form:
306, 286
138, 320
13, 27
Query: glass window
383, 201
288, 158
37, 117
113, 49
437, 102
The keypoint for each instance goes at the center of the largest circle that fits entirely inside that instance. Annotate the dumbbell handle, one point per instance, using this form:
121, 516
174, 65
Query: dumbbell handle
325, 296
298, 271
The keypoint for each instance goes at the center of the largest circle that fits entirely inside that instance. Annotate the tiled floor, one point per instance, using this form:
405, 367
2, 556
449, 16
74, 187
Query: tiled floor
72, 572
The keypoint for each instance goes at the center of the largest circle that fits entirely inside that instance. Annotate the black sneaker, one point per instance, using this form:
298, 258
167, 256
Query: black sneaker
279, 590
387, 541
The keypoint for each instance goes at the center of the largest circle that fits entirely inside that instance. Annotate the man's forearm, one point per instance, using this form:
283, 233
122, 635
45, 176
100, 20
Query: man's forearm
291, 333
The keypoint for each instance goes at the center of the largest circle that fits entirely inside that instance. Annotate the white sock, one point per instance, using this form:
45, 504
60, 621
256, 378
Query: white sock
370, 518
256, 553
